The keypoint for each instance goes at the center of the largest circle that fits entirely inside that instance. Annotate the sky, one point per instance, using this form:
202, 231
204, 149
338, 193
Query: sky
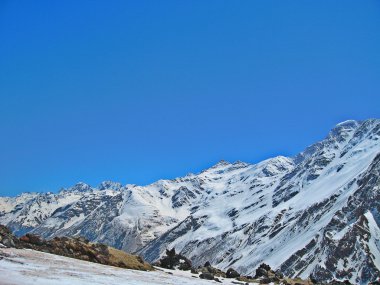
136, 91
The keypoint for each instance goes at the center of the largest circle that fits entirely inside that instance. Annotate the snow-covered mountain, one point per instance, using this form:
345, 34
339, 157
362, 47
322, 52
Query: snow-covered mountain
317, 213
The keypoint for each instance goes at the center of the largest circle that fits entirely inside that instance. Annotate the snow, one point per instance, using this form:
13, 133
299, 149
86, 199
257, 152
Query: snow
7, 204
74, 220
339, 235
374, 241
21, 266
347, 122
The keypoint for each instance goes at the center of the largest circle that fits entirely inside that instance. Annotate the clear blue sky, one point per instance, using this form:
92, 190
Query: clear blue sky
135, 91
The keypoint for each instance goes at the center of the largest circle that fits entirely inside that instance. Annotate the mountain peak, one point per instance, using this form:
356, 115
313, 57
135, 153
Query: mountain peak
110, 185
348, 123
221, 163
80, 187
342, 130
276, 165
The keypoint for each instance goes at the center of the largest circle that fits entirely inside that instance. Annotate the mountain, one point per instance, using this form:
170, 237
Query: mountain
315, 214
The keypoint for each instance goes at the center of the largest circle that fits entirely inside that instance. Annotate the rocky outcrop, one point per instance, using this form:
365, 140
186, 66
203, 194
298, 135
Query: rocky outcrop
172, 260
78, 248
212, 270
7, 238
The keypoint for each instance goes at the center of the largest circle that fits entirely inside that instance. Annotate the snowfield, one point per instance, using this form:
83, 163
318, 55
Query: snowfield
28, 267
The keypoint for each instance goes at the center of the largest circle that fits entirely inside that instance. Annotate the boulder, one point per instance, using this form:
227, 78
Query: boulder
215, 271
33, 239
261, 272
184, 264
207, 276
232, 273
24, 239
173, 260
264, 270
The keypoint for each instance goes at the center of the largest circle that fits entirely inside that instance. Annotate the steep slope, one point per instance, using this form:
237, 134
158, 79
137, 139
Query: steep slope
285, 221
314, 214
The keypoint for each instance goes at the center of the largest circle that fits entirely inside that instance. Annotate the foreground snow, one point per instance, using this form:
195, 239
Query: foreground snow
22, 266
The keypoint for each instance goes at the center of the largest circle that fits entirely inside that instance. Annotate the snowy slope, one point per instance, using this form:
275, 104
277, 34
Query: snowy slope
21, 266
314, 214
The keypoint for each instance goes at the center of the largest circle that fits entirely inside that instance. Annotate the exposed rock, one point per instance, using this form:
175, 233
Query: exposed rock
215, 271
173, 261
78, 248
33, 239
7, 238
207, 276
262, 270
232, 273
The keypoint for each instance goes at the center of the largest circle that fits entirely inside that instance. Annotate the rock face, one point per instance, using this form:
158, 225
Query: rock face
313, 215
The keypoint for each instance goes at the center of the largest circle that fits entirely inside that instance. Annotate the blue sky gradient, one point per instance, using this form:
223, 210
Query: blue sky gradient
136, 91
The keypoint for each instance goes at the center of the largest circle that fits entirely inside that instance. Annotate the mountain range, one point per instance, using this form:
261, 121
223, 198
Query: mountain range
315, 214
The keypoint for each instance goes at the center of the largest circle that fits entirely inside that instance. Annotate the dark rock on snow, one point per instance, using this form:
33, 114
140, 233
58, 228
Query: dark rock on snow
232, 273
206, 275
173, 261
